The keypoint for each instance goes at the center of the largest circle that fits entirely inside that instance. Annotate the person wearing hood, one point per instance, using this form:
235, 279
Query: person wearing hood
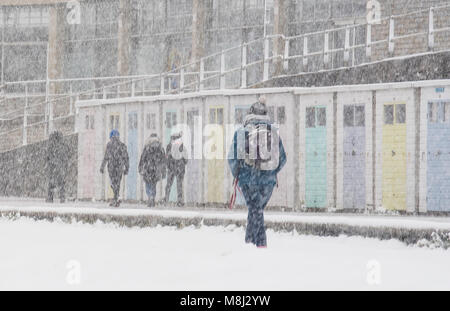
116, 156
152, 166
256, 157
176, 164
57, 159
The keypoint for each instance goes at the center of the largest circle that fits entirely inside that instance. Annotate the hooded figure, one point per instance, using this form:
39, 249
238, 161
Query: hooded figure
256, 177
57, 164
152, 166
116, 156
176, 164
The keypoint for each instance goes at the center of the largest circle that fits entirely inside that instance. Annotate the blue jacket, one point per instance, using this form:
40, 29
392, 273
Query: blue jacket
250, 175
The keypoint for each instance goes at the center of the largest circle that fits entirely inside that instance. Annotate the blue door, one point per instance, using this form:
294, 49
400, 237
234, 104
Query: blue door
133, 155
354, 159
438, 160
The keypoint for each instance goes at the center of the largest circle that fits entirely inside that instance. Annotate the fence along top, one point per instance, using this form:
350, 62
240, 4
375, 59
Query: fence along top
133, 80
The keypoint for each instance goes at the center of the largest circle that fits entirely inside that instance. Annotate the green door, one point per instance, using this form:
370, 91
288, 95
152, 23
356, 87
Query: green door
316, 157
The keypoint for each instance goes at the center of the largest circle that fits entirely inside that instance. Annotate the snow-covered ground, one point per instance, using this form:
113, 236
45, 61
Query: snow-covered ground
43, 255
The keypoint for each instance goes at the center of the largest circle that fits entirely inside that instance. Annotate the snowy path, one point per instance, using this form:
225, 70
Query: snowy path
34, 255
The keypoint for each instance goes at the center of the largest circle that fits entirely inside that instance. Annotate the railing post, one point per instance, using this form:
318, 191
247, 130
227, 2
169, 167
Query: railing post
431, 30
347, 46
77, 121
104, 93
305, 53
161, 92
133, 88
326, 56
222, 70
244, 67
353, 46
46, 110
47, 89
286, 55
70, 99
369, 41
181, 80
266, 60
201, 74
25, 119
50, 116
391, 36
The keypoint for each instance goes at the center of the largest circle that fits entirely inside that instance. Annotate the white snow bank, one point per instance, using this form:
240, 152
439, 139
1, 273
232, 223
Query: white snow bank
410, 222
49, 256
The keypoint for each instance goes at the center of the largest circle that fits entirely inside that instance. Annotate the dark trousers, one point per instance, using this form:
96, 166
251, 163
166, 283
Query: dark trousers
170, 178
56, 181
150, 189
116, 178
256, 197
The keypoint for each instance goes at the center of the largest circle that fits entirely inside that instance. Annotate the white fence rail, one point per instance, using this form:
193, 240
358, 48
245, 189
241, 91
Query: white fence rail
50, 103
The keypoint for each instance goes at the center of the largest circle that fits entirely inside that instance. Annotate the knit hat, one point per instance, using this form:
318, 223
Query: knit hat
114, 133
259, 108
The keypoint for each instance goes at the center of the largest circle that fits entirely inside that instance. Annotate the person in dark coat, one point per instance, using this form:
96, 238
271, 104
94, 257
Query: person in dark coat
116, 156
255, 181
176, 164
57, 159
152, 166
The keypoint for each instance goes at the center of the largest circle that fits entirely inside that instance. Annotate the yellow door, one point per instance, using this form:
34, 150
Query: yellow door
216, 167
394, 156
114, 124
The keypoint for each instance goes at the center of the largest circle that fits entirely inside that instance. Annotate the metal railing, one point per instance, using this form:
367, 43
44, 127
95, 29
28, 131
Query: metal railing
243, 66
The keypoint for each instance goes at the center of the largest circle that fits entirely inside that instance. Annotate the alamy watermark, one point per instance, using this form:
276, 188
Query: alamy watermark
373, 12
73, 15
209, 142
73, 276
373, 277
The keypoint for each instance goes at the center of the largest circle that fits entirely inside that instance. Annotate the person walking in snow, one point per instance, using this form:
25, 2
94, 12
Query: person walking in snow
57, 159
256, 157
152, 166
116, 156
176, 165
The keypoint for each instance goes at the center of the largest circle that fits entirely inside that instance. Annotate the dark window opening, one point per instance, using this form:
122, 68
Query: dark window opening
271, 112
360, 116
220, 116
151, 121
446, 112
310, 117
432, 113
321, 117
348, 116
389, 114
132, 121
400, 113
281, 115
